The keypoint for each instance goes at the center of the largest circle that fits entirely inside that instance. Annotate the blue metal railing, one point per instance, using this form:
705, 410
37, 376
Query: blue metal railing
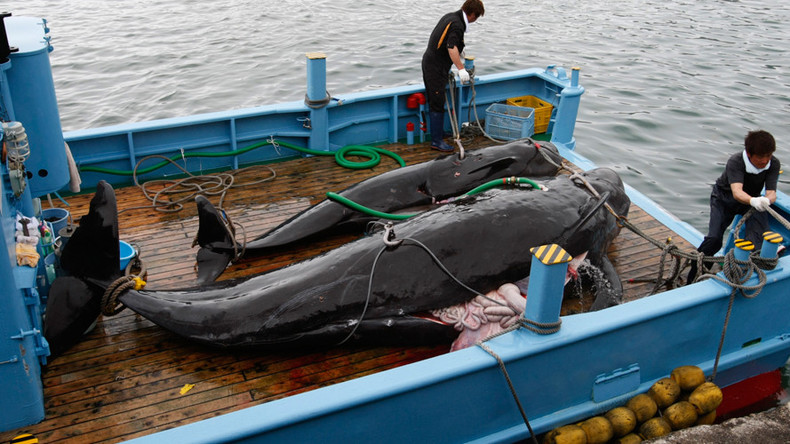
370, 117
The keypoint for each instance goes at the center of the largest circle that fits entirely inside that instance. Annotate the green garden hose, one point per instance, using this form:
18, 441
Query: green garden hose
500, 182
351, 204
486, 186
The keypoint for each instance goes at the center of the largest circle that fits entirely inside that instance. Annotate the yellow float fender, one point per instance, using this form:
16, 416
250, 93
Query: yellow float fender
643, 406
598, 430
654, 427
623, 420
688, 377
706, 398
680, 415
665, 392
567, 434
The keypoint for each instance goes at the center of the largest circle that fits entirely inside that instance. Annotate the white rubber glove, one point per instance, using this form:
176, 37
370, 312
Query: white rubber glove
463, 74
760, 203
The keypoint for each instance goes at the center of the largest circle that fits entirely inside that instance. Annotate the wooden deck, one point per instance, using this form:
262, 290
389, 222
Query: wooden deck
129, 378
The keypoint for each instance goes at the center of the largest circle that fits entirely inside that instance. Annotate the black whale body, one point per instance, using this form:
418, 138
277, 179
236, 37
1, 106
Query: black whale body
483, 240
412, 186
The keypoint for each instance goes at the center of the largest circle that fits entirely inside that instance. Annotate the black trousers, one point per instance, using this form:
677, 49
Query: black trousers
723, 209
435, 79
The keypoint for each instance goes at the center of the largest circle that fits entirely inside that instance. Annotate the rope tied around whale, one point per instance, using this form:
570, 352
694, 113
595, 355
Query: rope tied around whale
390, 241
507, 315
110, 305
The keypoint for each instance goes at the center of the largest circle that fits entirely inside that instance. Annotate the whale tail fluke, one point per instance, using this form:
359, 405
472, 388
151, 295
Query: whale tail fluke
93, 249
90, 259
216, 243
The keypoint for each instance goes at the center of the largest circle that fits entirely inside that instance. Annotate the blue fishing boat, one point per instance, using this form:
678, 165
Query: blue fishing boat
510, 387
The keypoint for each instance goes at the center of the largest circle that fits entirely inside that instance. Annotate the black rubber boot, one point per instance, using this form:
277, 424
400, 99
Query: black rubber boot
437, 131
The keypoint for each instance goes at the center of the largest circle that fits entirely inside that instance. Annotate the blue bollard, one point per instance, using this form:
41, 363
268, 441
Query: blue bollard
546, 282
317, 101
469, 64
743, 248
568, 108
771, 243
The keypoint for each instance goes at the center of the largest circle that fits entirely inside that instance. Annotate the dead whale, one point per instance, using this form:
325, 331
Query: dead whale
375, 289
416, 185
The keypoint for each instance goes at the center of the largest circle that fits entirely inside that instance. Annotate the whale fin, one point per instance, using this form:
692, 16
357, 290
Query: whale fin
586, 212
89, 257
216, 243
613, 294
92, 251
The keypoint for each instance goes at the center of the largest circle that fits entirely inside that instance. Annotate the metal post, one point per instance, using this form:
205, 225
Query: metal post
464, 93
567, 110
469, 63
771, 242
317, 99
546, 282
743, 248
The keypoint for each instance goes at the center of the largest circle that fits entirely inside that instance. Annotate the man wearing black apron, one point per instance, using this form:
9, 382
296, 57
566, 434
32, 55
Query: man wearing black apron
444, 50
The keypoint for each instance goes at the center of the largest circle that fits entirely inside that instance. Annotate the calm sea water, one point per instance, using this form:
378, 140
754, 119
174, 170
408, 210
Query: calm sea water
672, 86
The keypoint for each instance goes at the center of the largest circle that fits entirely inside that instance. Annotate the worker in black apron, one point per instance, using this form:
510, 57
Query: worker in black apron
444, 50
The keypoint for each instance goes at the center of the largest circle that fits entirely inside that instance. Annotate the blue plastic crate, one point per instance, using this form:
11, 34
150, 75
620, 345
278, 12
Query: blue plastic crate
507, 122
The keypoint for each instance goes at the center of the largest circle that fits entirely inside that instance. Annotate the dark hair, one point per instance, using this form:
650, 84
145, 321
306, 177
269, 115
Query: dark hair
474, 7
760, 143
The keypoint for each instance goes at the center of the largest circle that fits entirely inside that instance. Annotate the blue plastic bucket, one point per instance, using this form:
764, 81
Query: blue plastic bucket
127, 253
58, 217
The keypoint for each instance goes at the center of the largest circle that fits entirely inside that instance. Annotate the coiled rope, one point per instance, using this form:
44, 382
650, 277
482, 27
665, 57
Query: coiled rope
318, 104
109, 301
541, 328
193, 185
110, 305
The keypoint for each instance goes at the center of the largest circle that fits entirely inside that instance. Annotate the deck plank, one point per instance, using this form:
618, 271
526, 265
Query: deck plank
125, 378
